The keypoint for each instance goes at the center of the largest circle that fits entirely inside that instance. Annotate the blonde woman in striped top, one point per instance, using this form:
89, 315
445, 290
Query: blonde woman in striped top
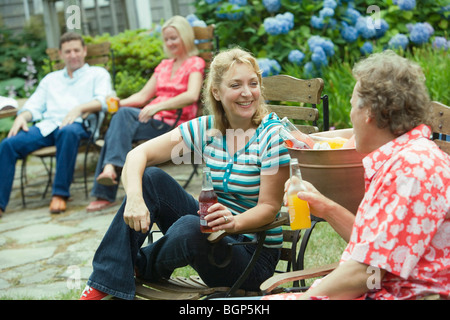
249, 166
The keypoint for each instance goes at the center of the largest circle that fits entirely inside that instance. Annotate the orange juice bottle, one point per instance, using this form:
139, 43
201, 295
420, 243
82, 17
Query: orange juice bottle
112, 102
299, 214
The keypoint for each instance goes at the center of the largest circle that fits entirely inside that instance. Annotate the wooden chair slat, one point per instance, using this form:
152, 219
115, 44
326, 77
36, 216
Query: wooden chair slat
441, 123
99, 49
97, 60
287, 88
298, 113
204, 32
279, 279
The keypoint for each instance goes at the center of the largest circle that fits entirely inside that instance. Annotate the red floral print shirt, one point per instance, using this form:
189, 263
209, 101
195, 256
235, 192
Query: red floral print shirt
403, 221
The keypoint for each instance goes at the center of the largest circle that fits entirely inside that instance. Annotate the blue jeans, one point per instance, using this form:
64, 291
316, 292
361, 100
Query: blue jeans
123, 130
19, 146
175, 213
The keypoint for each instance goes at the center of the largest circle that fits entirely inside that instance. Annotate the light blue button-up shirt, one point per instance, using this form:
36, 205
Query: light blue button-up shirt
57, 94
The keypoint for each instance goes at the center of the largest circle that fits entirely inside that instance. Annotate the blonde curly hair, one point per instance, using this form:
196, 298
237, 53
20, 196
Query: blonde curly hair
394, 89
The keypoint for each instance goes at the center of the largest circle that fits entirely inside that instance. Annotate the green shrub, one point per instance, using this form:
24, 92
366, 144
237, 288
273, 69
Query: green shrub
328, 38
136, 55
21, 57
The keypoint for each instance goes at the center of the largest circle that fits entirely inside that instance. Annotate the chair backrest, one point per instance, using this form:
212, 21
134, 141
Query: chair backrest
296, 99
441, 125
207, 42
287, 89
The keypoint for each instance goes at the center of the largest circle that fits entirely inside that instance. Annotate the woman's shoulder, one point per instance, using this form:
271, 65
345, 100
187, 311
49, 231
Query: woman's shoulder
205, 122
196, 61
270, 120
164, 62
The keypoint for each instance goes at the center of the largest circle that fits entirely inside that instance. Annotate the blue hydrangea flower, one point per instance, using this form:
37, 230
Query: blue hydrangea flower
328, 47
211, 1
366, 48
289, 17
326, 12
219, 14
280, 24
349, 33
440, 43
352, 15
191, 18
429, 27
235, 13
325, 44
271, 26
398, 41
405, 5
199, 23
272, 5
296, 57
319, 58
420, 33
381, 29
317, 22
269, 67
365, 27
309, 70
275, 66
330, 4
194, 21
238, 2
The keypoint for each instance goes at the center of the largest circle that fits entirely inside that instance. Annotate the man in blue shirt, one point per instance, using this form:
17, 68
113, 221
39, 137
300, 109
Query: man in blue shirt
58, 103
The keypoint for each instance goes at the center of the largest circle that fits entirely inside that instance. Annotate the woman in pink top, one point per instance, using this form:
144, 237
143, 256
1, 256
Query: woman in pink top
174, 85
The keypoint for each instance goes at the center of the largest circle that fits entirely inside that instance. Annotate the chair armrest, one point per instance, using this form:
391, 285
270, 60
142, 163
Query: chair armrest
218, 235
277, 280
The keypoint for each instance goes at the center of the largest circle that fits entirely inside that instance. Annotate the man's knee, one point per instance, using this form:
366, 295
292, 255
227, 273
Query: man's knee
72, 132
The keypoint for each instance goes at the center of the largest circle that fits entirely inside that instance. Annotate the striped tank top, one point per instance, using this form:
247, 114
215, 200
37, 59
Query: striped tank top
236, 178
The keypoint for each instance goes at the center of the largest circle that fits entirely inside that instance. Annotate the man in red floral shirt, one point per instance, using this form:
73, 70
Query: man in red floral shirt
399, 241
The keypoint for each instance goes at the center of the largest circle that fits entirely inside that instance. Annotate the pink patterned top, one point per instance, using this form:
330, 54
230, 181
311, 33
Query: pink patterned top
168, 87
403, 222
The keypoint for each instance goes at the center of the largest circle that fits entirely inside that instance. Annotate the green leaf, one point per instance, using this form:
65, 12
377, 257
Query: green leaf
443, 24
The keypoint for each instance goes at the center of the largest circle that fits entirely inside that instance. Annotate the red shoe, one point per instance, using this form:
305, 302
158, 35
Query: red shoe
90, 293
98, 205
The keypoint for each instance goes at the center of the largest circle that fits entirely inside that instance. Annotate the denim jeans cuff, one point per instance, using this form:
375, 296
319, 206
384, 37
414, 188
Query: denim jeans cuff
115, 293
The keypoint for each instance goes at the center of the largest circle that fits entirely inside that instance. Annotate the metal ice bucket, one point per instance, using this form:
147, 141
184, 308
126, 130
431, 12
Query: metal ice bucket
338, 174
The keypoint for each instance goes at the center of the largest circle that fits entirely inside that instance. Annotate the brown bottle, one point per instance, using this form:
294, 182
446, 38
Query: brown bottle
206, 199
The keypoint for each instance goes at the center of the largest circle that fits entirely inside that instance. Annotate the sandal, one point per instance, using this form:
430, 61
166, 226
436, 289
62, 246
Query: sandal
107, 179
98, 205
